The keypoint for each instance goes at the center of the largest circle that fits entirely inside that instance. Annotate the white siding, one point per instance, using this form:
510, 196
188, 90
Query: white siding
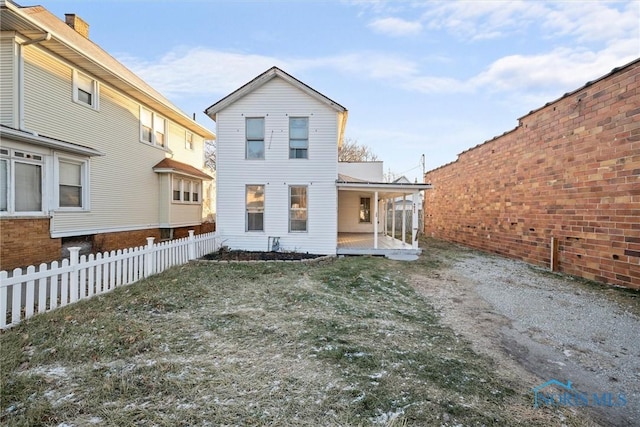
277, 101
124, 188
8, 81
349, 218
368, 171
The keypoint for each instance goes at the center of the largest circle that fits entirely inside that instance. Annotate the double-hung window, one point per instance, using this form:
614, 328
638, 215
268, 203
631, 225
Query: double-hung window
298, 208
255, 207
185, 190
298, 137
71, 183
365, 209
21, 182
188, 140
254, 130
153, 128
85, 90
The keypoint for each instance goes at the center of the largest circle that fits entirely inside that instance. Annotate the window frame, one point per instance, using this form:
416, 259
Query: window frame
293, 151
249, 139
11, 157
304, 209
85, 204
364, 210
254, 210
90, 86
154, 128
188, 141
188, 187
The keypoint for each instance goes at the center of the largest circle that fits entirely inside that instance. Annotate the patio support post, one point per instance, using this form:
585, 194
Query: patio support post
414, 221
375, 219
404, 219
393, 218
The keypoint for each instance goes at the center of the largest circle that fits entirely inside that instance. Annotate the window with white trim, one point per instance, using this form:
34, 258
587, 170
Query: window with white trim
85, 90
153, 128
365, 210
254, 131
298, 137
185, 190
298, 208
21, 182
72, 179
188, 140
255, 207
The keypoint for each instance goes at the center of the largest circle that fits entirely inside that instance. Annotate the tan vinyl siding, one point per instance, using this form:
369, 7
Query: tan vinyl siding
124, 188
277, 101
8, 81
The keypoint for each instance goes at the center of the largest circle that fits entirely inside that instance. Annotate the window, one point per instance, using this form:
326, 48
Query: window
85, 90
188, 141
20, 182
255, 207
298, 137
185, 190
255, 137
71, 181
298, 208
365, 209
153, 128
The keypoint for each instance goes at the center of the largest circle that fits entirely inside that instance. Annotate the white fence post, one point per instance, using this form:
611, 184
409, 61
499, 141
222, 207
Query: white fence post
192, 246
74, 258
149, 257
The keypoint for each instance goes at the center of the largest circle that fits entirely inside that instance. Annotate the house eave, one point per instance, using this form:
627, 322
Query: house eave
44, 141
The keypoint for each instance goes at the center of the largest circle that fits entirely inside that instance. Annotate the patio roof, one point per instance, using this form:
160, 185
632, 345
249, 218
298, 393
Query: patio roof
385, 189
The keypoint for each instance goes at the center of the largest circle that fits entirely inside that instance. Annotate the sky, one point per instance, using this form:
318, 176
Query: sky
431, 78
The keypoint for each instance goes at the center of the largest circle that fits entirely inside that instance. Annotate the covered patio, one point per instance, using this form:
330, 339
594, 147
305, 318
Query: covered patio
364, 228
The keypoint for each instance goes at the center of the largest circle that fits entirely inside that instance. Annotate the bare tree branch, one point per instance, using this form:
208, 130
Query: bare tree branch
351, 151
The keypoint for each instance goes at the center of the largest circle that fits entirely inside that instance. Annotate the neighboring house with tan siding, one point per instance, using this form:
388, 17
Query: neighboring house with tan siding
89, 152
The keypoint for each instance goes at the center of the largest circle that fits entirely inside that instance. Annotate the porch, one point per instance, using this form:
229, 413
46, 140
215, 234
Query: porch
364, 244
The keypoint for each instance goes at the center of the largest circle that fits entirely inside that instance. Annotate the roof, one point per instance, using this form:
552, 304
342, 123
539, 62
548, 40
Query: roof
34, 22
386, 189
263, 78
168, 165
45, 141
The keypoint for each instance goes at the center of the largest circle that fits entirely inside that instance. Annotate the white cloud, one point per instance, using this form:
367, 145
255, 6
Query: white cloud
396, 26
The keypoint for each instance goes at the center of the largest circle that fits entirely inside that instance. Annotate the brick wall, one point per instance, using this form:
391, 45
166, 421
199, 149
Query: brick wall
26, 242
570, 170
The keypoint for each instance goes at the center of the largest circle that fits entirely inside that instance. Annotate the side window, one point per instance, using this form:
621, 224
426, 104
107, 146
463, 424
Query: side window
255, 207
85, 90
185, 190
153, 128
254, 130
71, 183
188, 141
298, 208
298, 137
21, 186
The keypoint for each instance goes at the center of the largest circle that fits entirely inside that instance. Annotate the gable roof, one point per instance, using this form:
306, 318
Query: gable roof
263, 78
34, 22
168, 165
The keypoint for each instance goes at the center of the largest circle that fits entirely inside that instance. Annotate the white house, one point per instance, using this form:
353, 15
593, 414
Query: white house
89, 151
279, 183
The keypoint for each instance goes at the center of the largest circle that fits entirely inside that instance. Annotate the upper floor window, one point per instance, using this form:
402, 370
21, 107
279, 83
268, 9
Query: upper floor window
85, 90
188, 140
153, 128
185, 190
20, 182
298, 208
72, 183
298, 137
255, 207
255, 137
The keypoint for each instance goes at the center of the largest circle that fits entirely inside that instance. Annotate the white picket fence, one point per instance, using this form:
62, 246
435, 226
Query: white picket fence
33, 290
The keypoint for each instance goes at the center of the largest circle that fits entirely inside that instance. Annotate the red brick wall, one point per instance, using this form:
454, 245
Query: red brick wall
25, 242
570, 170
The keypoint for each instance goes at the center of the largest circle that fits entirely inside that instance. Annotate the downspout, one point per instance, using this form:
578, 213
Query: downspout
45, 37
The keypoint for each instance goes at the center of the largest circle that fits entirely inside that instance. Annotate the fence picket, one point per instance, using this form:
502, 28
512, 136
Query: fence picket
46, 288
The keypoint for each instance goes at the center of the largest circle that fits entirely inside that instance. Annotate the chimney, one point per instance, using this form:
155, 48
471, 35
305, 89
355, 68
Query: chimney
78, 24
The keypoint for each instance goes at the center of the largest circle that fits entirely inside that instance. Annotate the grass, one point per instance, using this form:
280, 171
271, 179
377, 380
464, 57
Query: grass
344, 342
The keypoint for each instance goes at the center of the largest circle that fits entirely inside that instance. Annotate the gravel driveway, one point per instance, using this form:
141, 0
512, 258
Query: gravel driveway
539, 326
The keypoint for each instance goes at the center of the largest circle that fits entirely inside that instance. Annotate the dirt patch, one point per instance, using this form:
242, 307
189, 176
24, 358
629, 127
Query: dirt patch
539, 326
237, 255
